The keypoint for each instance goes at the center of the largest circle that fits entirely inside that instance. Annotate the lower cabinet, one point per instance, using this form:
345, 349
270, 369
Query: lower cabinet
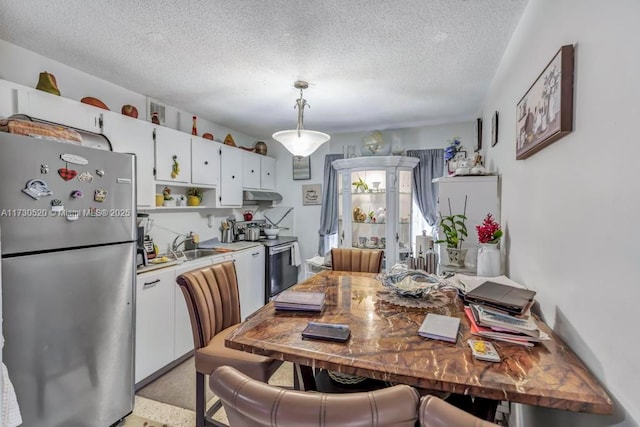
154, 323
163, 327
250, 265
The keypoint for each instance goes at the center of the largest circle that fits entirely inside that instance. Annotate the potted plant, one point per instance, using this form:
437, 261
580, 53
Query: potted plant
194, 196
168, 198
489, 257
455, 231
360, 185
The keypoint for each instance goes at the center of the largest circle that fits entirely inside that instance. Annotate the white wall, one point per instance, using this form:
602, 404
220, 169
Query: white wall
570, 211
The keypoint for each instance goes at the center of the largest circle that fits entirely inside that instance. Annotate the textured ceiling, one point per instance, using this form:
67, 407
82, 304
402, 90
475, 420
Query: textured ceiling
374, 64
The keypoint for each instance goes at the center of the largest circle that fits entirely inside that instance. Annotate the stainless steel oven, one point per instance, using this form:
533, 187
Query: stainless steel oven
280, 273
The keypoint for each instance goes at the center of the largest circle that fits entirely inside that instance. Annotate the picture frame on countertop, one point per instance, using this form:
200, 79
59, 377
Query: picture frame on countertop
478, 134
545, 112
312, 194
494, 129
301, 167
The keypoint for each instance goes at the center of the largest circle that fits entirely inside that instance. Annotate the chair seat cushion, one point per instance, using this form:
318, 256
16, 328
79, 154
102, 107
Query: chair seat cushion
215, 354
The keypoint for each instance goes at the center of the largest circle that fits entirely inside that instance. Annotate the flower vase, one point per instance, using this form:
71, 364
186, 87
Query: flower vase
456, 256
489, 260
193, 201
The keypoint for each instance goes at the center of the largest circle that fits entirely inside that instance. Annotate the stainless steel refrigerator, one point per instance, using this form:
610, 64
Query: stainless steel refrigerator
67, 215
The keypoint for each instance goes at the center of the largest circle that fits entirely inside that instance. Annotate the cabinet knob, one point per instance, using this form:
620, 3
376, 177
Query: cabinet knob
206, 162
251, 170
268, 173
233, 177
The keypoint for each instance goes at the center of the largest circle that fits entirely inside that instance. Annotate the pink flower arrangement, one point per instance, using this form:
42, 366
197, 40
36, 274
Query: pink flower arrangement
489, 231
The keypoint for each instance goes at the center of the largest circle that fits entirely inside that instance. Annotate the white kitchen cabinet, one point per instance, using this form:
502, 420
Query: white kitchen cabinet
169, 143
250, 266
378, 217
12, 96
129, 135
57, 109
154, 322
230, 189
183, 335
250, 170
268, 167
205, 161
482, 198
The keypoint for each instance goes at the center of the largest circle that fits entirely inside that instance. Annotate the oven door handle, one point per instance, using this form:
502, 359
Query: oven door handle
279, 249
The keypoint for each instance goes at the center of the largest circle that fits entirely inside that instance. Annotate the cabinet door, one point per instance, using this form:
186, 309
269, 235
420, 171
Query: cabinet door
170, 143
230, 189
250, 268
9, 98
205, 161
268, 173
129, 135
154, 322
250, 170
57, 109
183, 342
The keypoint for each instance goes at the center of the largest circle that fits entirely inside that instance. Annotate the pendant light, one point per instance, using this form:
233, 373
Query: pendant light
299, 141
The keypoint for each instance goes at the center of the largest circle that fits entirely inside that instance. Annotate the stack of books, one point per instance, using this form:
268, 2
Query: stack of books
503, 312
299, 301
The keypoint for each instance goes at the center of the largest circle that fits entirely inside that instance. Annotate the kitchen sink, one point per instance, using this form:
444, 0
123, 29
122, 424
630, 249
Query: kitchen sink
197, 253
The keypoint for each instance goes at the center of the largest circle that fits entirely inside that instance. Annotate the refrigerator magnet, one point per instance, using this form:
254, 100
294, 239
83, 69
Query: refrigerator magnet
75, 159
99, 195
85, 177
100, 172
77, 194
73, 215
37, 188
67, 174
44, 169
56, 205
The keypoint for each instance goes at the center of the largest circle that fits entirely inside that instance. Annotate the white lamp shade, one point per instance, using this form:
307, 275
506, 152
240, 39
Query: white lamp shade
303, 145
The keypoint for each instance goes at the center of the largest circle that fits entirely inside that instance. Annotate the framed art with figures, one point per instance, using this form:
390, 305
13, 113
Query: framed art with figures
545, 112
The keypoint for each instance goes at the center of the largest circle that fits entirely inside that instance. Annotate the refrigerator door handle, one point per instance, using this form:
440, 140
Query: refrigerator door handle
151, 284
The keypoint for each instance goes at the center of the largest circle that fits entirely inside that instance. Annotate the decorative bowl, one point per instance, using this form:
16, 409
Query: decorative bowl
271, 233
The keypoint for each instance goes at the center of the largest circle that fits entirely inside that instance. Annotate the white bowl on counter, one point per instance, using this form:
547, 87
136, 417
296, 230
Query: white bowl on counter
271, 233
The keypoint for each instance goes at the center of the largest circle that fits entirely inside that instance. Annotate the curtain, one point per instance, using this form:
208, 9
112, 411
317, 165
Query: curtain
329, 214
424, 191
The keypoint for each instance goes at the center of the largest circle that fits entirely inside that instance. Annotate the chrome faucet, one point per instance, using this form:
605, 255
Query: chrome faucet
187, 238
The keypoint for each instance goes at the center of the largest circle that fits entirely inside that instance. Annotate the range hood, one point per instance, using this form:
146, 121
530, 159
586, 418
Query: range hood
259, 196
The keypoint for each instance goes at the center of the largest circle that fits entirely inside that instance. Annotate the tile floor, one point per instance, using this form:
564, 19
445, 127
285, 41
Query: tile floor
170, 415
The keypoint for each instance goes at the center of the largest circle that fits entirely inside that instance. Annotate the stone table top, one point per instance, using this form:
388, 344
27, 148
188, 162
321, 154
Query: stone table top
385, 345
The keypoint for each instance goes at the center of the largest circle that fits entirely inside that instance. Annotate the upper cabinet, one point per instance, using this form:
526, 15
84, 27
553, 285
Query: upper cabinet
258, 171
250, 170
374, 207
129, 135
173, 155
205, 161
268, 173
57, 109
231, 170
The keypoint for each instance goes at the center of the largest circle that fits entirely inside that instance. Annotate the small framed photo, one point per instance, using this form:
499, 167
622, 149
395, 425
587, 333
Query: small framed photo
301, 167
312, 194
494, 129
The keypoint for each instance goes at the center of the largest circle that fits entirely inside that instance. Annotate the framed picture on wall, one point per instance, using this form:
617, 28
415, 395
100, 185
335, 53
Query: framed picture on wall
478, 134
494, 129
545, 112
301, 167
312, 194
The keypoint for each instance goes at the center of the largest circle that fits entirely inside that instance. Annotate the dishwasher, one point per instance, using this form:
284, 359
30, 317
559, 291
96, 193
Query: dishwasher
280, 274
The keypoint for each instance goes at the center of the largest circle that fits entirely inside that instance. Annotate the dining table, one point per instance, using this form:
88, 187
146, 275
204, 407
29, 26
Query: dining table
385, 345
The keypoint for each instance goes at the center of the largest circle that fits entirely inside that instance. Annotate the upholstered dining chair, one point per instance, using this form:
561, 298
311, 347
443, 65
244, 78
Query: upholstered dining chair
211, 294
361, 260
435, 412
250, 403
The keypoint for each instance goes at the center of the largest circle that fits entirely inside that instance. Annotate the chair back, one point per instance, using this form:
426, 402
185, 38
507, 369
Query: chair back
212, 298
435, 412
361, 260
248, 402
